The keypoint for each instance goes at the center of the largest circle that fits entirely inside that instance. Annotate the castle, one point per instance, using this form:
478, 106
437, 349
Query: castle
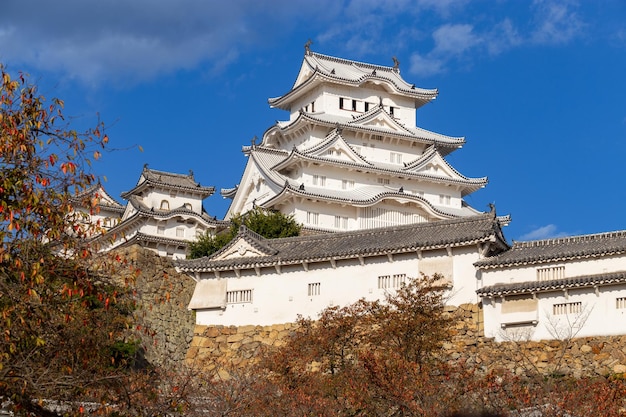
379, 204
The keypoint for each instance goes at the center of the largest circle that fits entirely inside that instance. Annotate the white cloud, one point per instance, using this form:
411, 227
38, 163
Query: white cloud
454, 39
140, 39
544, 232
425, 66
502, 37
556, 22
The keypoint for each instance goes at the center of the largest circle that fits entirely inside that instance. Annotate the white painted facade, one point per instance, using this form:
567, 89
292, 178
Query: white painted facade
351, 156
95, 211
556, 288
349, 159
163, 213
257, 281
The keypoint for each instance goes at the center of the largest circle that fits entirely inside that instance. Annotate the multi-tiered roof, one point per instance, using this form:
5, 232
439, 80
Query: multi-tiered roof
164, 212
351, 156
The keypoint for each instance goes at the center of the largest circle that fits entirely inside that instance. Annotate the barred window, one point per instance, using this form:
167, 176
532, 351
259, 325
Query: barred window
567, 308
620, 303
391, 281
553, 272
239, 296
314, 289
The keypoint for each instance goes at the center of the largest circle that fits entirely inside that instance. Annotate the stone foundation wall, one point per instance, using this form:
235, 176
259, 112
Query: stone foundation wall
165, 325
215, 346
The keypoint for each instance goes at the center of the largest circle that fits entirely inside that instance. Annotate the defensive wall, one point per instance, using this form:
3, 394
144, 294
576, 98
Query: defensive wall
170, 335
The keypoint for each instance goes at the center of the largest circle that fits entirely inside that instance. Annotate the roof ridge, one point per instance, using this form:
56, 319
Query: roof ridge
569, 239
171, 174
352, 62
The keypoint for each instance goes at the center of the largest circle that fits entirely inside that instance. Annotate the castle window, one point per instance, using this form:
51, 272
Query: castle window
567, 308
160, 230
353, 105
312, 218
391, 281
319, 180
187, 206
395, 157
553, 272
314, 289
165, 205
341, 102
620, 303
384, 181
444, 199
347, 184
391, 110
341, 222
180, 232
173, 194
312, 107
239, 296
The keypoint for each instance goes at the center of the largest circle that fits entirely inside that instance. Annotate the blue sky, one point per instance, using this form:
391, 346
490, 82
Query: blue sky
537, 88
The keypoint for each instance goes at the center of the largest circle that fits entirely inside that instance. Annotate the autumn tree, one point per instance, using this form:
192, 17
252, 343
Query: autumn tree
387, 358
64, 319
268, 223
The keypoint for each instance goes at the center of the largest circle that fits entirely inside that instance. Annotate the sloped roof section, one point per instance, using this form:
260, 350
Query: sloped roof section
103, 199
373, 242
584, 281
318, 68
359, 124
559, 249
168, 180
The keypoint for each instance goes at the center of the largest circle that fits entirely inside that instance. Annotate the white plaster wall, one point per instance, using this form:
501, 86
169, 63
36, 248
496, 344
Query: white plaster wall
599, 315
328, 102
573, 268
175, 200
465, 281
280, 297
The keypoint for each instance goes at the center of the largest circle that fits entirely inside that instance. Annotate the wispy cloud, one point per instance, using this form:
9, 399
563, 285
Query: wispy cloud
129, 41
556, 22
544, 232
139, 40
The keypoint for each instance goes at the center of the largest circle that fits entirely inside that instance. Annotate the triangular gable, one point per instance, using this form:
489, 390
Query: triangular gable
431, 163
246, 244
335, 147
306, 71
379, 119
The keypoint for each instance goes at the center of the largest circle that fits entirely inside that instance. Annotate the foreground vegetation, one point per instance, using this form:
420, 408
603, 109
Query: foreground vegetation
386, 359
267, 223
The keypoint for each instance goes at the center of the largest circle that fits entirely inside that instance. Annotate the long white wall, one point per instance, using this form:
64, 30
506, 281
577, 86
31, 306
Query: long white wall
279, 297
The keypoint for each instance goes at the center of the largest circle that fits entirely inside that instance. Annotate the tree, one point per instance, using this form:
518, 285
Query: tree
375, 358
268, 223
65, 317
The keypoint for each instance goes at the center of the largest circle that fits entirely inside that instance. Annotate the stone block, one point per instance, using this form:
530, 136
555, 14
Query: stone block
619, 369
237, 337
212, 331
246, 329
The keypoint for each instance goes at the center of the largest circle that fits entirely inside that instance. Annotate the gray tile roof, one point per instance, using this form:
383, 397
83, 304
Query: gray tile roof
104, 199
553, 285
363, 243
416, 134
347, 72
168, 180
559, 249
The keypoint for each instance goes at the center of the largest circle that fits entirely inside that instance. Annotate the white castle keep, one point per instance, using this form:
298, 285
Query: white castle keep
379, 204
